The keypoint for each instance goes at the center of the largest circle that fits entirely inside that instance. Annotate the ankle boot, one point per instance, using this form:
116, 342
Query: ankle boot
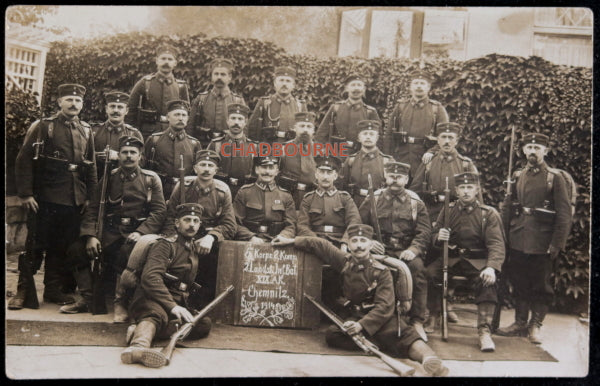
139, 350
419, 351
26, 295
121, 315
538, 314
519, 327
83, 277
485, 314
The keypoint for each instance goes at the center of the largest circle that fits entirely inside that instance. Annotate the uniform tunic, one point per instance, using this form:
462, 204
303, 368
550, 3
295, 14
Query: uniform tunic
264, 204
274, 111
355, 171
108, 134
430, 180
237, 167
161, 89
345, 116
418, 119
299, 167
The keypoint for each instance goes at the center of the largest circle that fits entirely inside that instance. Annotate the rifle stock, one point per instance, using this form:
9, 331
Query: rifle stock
445, 268
98, 305
362, 342
374, 209
180, 334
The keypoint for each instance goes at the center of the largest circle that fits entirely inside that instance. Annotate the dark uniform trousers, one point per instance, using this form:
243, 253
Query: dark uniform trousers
530, 276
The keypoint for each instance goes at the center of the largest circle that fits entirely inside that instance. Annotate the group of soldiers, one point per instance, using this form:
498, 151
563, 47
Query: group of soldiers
162, 164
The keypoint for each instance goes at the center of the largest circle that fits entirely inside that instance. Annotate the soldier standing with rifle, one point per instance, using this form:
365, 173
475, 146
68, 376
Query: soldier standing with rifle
540, 219
159, 303
135, 207
368, 287
475, 233
56, 196
148, 103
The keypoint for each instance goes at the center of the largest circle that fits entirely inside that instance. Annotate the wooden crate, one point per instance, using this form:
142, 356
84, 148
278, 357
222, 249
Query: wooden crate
269, 285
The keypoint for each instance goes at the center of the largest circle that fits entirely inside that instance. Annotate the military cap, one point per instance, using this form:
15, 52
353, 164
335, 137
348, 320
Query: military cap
237, 108
168, 49
397, 168
71, 89
537, 138
354, 77
177, 104
328, 163
221, 62
116, 97
360, 230
189, 209
368, 125
466, 178
305, 117
448, 127
128, 140
285, 71
420, 74
208, 155
266, 160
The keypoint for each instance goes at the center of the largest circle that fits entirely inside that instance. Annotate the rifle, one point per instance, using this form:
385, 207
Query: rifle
181, 181
180, 334
374, 210
507, 212
445, 268
362, 342
98, 302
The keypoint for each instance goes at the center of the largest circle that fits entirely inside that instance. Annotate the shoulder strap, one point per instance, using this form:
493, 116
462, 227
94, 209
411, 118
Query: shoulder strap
414, 208
484, 217
465, 165
50, 131
549, 181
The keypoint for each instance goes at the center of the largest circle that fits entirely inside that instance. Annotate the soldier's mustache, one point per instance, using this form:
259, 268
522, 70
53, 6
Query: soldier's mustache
236, 126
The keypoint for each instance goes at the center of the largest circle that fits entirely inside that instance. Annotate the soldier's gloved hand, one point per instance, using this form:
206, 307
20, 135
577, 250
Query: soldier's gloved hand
281, 241
553, 251
29, 203
84, 206
256, 240
133, 237
113, 155
353, 327
426, 158
205, 244
407, 255
182, 313
377, 248
444, 234
93, 247
488, 276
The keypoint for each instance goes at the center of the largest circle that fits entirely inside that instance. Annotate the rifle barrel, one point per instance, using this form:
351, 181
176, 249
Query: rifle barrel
445, 267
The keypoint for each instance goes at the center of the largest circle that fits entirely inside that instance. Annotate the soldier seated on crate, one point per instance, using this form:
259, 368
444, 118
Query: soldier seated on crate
368, 286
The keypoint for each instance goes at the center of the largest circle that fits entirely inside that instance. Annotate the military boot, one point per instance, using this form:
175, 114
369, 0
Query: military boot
83, 277
139, 350
121, 315
485, 314
538, 314
419, 351
26, 295
519, 327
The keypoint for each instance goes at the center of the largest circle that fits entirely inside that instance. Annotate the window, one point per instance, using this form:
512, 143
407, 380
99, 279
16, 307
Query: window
22, 67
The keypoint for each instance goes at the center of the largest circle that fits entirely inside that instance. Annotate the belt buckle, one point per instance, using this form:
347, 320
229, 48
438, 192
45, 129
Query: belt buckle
183, 287
328, 228
163, 119
301, 186
527, 211
215, 134
280, 134
411, 139
125, 220
263, 229
350, 143
72, 167
363, 192
233, 181
441, 197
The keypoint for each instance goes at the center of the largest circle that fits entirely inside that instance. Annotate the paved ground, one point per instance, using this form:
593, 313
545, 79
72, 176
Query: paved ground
564, 336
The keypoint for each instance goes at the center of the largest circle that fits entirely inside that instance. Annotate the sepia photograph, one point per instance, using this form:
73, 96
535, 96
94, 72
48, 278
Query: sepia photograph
297, 191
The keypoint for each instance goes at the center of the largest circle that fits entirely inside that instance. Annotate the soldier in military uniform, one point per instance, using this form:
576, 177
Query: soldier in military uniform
369, 289
160, 303
163, 151
135, 206
412, 122
539, 226
477, 252
273, 116
149, 97
340, 123
298, 170
429, 180
368, 160
263, 210
218, 219
209, 108
235, 168
109, 132
55, 176
405, 230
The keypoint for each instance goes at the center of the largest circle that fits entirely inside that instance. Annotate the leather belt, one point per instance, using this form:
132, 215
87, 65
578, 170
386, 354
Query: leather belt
163, 119
415, 140
360, 192
328, 229
527, 211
